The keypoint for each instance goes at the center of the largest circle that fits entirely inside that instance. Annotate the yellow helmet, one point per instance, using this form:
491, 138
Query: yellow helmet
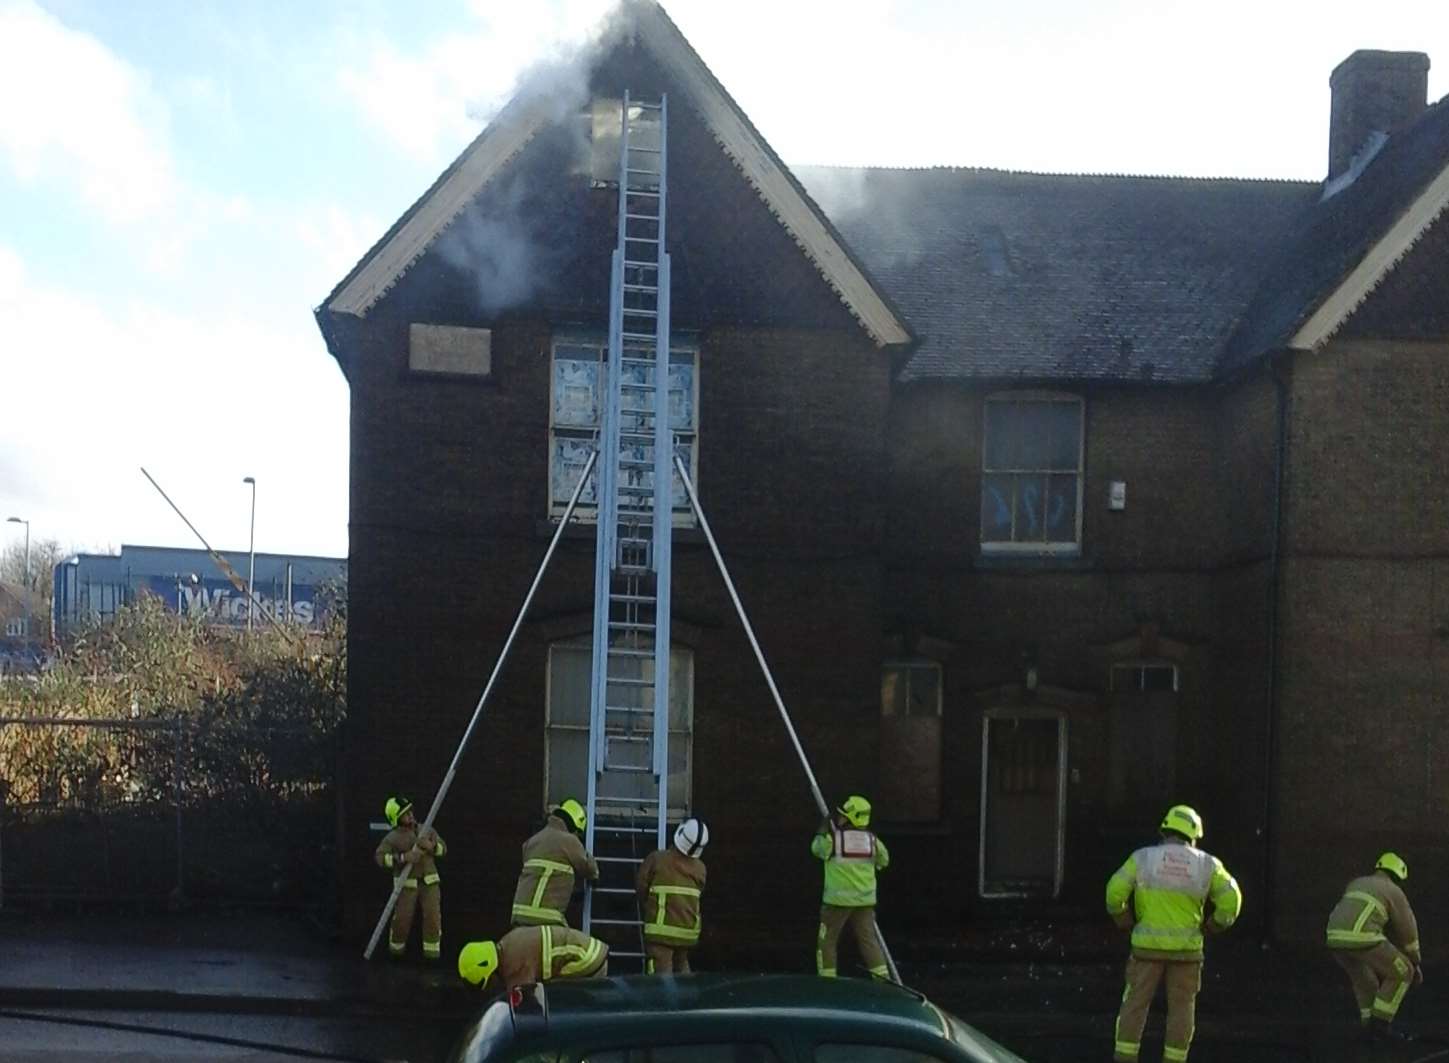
572, 812
1184, 820
857, 810
1394, 864
395, 808
477, 961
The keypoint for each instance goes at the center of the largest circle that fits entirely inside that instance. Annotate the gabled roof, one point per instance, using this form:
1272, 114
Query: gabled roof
1343, 247
1029, 276
489, 154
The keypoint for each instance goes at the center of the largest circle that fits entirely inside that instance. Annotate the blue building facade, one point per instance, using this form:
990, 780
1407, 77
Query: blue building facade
294, 588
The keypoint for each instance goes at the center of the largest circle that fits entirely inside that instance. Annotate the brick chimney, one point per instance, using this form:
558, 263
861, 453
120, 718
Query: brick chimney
1373, 92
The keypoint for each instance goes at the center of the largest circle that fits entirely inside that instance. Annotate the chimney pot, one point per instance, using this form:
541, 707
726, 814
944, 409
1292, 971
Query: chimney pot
1373, 92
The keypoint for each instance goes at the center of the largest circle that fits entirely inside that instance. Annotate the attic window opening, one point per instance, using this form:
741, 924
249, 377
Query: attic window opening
606, 140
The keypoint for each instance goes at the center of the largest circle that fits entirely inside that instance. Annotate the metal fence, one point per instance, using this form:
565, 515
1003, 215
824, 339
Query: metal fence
166, 810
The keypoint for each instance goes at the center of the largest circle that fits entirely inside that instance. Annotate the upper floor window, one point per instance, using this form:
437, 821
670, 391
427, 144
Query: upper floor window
576, 406
1031, 475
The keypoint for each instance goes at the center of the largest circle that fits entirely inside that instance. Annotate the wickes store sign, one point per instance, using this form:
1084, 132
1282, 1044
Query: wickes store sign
220, 603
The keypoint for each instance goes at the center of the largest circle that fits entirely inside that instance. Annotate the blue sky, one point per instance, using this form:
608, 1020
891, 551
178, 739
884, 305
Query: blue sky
181, 181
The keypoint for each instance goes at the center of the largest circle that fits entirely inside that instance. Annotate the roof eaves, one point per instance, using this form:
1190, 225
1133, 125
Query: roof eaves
1341, 301
767, 174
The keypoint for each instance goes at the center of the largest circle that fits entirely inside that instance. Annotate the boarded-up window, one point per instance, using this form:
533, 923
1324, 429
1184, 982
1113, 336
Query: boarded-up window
910, 742
450, 349
576, 412
1144, 738
567, 724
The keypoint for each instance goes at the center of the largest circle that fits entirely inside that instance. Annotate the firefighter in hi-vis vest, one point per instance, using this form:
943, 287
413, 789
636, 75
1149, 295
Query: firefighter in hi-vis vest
551, 859
528, 954
852, 856
1161, 895
670, 883
406, 852
1374, 937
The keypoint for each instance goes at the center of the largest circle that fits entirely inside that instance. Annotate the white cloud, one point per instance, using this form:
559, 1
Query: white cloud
430, 104
77, 114
96, 392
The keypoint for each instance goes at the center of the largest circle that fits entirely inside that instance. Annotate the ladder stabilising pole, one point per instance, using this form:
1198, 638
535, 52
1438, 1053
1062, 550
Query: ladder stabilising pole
397, 886
770, 679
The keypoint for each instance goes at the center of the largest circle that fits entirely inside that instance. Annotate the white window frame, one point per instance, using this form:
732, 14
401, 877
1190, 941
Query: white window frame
1141, 665
677, 736
1003, 546
680, 349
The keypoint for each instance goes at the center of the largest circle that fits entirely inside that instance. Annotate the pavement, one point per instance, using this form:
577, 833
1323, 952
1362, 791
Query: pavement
1019, 983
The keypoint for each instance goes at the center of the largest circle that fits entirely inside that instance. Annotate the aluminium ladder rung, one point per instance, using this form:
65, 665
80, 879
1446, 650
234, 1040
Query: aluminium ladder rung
612, 889
642, 802
625, 830
643, 217
628, 769
617, 922
631, 597
623, 652
619, 859
651, 151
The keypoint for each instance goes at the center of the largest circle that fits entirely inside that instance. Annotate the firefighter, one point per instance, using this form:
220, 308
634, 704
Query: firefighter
852, 855
405, 851
551, 859
1374, 937
1161, 894
529, 954
670, 883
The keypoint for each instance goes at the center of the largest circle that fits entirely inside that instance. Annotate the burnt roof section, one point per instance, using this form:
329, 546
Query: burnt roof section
1036, 277
1333, 236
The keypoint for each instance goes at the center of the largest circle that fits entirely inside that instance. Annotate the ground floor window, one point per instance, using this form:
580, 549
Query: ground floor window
566, 755
909, 789
1143, 729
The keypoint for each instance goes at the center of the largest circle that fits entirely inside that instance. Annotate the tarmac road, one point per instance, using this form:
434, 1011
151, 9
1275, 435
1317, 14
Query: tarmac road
51, 1036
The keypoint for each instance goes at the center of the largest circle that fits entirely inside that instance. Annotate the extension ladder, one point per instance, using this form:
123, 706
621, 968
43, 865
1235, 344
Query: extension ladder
628, 789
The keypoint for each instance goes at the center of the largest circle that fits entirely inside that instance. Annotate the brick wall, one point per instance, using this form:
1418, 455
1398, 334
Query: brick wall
1154, 564
1365, 627
448, 506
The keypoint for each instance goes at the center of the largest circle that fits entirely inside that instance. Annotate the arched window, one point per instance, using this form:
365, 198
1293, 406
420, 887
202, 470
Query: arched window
1031, 473
566, 756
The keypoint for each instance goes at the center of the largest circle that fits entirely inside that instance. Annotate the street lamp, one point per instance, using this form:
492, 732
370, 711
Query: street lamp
252, 552
18, 520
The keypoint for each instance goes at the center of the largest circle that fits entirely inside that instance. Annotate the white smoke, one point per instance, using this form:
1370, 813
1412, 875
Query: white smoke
502, 249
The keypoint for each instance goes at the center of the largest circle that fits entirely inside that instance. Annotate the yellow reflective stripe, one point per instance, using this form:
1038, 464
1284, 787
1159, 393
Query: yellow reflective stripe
1173, 1055
1354, 938
432, 880
546, 950
673, 933
1371, 904
439, 848
410, 884
1126, 1048
659, 928
546, 869
1412, 946
387, 860
543, 915
587, 957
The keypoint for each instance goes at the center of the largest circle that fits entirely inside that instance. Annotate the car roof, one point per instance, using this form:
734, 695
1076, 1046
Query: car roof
629, 998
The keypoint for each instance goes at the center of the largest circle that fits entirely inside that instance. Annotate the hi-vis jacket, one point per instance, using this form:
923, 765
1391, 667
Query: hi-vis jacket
529, 954
852, 857
669, 885
1372, 909
1169, 885
550, 859
397, 842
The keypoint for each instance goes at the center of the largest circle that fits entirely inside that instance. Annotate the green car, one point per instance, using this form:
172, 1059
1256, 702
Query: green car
720, 1018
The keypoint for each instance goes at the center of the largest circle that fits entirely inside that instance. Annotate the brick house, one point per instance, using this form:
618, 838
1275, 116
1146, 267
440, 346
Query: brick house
1052, 498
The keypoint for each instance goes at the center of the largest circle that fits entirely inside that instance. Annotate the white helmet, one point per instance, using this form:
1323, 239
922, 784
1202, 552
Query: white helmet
691, 837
